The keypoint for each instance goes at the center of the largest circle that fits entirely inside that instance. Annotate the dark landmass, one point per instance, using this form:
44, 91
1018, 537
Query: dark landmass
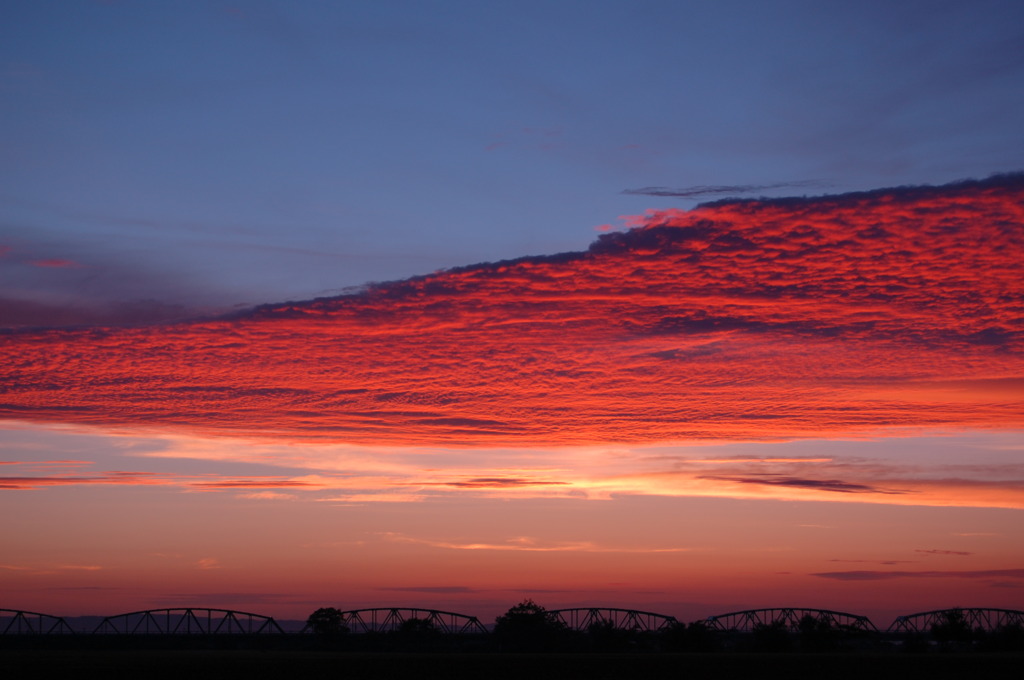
221, 664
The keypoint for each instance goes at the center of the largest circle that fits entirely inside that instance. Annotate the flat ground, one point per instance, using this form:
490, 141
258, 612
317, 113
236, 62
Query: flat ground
306, 665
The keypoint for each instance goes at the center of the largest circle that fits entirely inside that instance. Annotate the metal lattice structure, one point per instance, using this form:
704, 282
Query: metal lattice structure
390, 619
621, 619
188, 621
746, 621
17, 622
985, 619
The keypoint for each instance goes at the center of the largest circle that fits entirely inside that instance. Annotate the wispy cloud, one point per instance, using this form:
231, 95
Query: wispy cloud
529, 544
108, 478
766, 460
80, 567
496, 483
268, 496
49, 568
833, 485
254, 484
432, 590
886, 575
71, 473
705, 191
944, 552
884, 562
353, 476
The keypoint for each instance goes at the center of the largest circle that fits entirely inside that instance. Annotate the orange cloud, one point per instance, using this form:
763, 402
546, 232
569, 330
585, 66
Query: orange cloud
529, 544
736, 320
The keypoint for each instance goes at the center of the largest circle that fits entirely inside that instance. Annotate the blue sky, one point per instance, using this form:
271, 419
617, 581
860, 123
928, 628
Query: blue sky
162, 160
213, 154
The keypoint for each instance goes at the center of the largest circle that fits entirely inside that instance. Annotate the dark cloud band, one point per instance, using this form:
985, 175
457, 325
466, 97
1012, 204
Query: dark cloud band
705, 191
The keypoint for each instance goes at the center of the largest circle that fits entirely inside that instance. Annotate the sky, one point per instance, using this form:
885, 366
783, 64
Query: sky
690, 307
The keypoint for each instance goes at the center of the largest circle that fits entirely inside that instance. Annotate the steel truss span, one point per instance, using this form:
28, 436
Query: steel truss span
746, 621
985, 619
390, 619
621, 619
188, 621
17, 622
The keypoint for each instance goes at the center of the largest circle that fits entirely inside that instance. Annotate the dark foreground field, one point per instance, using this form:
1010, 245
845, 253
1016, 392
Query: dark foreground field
307, 665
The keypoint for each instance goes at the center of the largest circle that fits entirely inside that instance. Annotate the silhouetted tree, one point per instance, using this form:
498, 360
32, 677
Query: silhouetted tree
697, 636
604, 636
772, 637
1005, 638
327, 622
529, 627
817, 634
416, 634
416, 626
953, 628
700, 637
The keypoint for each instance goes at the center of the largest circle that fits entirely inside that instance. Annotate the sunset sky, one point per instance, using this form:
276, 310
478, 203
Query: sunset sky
689, 307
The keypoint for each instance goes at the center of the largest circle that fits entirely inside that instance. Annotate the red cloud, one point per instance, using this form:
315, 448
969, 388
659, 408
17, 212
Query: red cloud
739, 319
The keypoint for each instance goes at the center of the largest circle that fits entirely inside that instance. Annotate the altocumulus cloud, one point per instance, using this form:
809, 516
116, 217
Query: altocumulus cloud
736, 320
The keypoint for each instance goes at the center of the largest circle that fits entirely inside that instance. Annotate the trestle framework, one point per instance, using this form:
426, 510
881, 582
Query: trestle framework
203, 621
188, 621
18, 622
974, 619
583, 618
390, 619
746, 621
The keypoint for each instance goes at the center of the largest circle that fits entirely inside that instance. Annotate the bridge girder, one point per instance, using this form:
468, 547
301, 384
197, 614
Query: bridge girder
188, 621
19, 622
389, 619
582, 618
987, 619
745, 621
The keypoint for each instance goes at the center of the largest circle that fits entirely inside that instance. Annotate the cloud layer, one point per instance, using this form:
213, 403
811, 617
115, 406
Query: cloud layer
736, 320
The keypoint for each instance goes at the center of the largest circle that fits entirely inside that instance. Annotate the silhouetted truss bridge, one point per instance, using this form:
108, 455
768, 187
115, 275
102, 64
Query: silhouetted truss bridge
746, 621
188, 621
389, 619
984, 619
203, 621
622, 619
17, 622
